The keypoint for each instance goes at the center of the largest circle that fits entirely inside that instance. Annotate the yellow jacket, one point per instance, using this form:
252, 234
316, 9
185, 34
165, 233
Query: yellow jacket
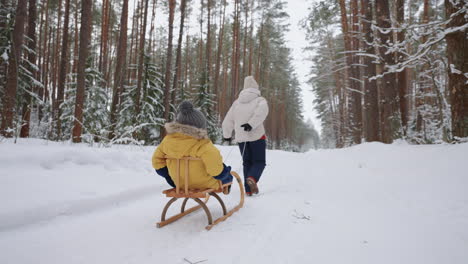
182, 141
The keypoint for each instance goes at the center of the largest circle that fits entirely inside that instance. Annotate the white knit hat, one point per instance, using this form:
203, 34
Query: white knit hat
249, 82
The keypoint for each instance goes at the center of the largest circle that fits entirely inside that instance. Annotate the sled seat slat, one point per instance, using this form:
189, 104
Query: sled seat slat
192, 193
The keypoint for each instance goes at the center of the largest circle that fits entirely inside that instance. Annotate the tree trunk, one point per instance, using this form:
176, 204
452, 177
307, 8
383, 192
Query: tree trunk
40, 49
85, 35
119, 68
103, 33
151, 33
76, 47
200, 65
9, 99
134, 60
3, 66
244, 51
251, 48
48, 66
389, 97
218, 59
132, 37
56, 58
402, 76
349, 62
32, 59
371, 105
223, 100
140, 61
208, 46
63, 68
185, 86
167, 79
45, 58
235, 53
175, 84
457, 53
356, 99
339, 84
105, 43
237, 58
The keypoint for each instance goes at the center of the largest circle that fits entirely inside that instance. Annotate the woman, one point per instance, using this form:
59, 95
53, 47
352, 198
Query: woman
246, 117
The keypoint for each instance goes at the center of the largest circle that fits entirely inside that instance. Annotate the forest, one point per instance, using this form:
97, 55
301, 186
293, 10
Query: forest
113, 72
388, 70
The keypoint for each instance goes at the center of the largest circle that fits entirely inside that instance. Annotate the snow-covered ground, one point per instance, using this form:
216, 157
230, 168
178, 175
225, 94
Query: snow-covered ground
371, 203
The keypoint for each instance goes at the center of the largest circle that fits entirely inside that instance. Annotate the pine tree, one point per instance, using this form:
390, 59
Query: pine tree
14, 61
96, 121
152, 108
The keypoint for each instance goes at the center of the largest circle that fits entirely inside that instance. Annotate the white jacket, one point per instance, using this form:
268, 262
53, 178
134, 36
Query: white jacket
250, 108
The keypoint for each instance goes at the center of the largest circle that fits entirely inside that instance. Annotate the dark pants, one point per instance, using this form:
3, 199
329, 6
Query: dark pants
253, 159
225, 175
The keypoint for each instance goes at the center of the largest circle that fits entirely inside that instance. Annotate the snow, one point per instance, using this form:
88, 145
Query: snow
371, 203
5, 56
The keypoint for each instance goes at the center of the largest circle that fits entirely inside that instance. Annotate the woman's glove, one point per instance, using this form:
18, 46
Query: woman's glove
247, 127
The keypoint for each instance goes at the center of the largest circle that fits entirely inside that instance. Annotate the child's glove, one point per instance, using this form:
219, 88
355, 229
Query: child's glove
225, 176
164, 172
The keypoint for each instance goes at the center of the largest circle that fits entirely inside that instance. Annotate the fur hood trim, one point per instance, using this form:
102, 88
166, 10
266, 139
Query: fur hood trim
198, 133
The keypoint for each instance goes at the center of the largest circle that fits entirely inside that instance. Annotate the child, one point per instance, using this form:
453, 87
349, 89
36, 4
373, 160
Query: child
188, 137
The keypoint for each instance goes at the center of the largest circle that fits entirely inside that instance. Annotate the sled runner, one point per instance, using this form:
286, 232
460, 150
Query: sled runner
196, 195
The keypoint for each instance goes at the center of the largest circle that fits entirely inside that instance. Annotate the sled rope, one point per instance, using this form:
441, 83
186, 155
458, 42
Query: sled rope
242, 156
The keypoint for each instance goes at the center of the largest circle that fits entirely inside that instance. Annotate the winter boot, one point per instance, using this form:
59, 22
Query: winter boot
252, 185
227, 189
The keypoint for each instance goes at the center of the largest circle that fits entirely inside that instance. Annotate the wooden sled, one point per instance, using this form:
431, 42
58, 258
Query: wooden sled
196, 195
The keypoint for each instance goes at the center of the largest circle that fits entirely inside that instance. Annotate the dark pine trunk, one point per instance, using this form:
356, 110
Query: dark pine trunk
9, 99
63, 68
402, 76
26, 116
356, 99
457, 52
371, 105
140, 61
218, 60
389, 95
85, 35
167, 79
119, 67
175, 84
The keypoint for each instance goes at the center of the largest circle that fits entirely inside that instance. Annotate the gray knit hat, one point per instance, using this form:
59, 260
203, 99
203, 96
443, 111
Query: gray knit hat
189, 116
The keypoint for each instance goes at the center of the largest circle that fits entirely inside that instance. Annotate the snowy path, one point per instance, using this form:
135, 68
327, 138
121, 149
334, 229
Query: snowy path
372, 203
